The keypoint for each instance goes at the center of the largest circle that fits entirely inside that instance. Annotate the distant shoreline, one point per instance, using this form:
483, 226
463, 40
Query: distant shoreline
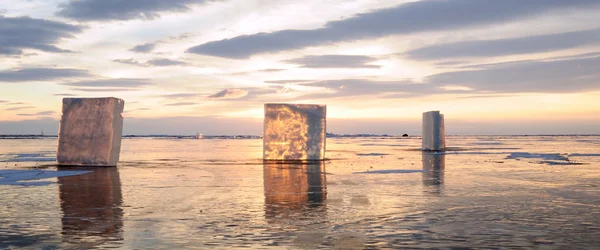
329, 135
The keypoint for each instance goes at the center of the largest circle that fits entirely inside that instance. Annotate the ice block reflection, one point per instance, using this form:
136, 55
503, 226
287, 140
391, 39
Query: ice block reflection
294, 132
295, 192
433, 170
91, 206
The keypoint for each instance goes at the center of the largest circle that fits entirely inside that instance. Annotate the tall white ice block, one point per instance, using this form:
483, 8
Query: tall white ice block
434, 135
90, 131
294, 132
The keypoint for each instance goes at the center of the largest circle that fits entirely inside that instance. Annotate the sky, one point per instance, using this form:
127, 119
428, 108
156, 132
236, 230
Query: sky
208, 66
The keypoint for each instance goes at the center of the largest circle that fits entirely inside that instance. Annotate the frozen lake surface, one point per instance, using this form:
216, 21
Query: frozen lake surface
486, 191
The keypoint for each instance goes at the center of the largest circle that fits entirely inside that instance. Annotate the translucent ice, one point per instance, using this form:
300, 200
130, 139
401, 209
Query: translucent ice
90, 131
433, 168
434, 136
294, 132
292, 190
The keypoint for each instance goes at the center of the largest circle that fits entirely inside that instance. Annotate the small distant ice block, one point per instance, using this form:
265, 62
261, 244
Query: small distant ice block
90, 131
294, 132
434, 135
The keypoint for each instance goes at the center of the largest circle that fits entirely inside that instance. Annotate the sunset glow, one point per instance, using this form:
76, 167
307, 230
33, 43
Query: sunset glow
367, 60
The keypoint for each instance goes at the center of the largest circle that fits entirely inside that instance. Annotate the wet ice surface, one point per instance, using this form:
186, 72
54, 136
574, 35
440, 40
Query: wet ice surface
483, 192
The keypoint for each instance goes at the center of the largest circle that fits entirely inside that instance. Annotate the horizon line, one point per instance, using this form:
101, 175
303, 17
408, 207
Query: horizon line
335, 134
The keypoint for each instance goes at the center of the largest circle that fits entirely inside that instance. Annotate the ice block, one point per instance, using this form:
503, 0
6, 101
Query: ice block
434, 136
90, 131
294, 132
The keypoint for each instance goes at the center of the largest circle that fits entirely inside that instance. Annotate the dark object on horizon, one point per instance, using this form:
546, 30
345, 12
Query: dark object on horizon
405, 135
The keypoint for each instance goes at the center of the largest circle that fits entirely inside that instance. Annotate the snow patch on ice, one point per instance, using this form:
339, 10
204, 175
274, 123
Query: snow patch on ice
23, 177
29, 157
584, 155
372, 154
486, 143
527, 155
391, 171
550, 159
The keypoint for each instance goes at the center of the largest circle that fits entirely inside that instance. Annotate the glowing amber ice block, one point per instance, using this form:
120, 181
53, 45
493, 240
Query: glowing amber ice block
90, 131
434, 135
294, 132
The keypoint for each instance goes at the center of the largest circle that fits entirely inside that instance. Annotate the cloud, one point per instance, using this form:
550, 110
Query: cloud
22, 107
103, 10
541, 76
18, 33
270, 70
103, 89
165, 62
181, 104
408, 18
449, 64
360, 87
159, 62
118, 82
46, 113
229, 94
578, 56
182, 36
483, 96
139, 109
288, 81
388, 89
149, 47
561, 76
43, 113
509, 46
180, 95
40, 74
130, 61
143, 48
64, 94
3, 101
256, 71
334, 61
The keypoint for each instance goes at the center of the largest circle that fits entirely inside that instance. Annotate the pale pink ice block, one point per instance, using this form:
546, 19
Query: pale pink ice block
90, 131
294, 132
434, 135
